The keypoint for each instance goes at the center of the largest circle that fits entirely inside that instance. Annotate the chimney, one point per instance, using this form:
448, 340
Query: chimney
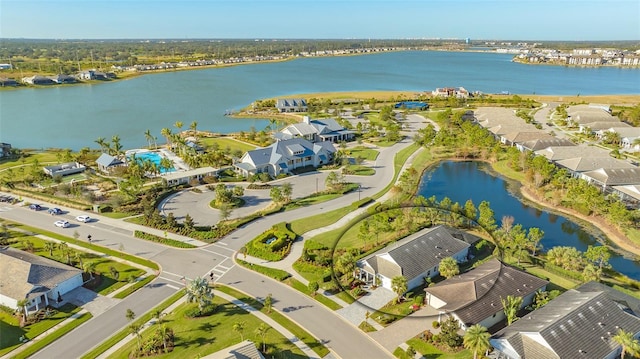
306, 119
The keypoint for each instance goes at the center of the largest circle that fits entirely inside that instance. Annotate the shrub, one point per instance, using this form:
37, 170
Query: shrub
419, 300
195, 312
435, 324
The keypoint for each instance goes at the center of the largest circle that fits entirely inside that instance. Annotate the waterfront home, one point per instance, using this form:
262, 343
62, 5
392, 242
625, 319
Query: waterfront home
63, 79
95, 75
38, 80
579, 323
606, 178
539, 144
578, 165
185, 177
64, 169
7, 82
556, 153
517, 138
582, 114
107, 163
285, 156
5, 149
326, 129
475, 297
41, 281
291, 105
599, 126
415, 257
489, 117
458, 92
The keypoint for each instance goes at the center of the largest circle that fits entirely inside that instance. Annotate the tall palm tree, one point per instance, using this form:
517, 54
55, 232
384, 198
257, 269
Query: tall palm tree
194, 129
77, 255
262, 330
50, 246
104, 146
22, 306
135, 329
239, 327
89, 267
117, 146
199, 291
63, 247
399, 285
149, 137
511, 306
166, 133
628, 343
165, 164
178, 125
477, 339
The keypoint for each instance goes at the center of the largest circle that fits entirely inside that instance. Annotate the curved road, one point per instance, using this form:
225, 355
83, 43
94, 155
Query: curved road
343, 338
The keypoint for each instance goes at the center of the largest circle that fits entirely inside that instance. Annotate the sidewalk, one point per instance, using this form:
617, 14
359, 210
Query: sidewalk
265, 318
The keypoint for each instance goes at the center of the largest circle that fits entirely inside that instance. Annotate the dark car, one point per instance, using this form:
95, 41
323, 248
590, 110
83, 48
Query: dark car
54, 211
35, 207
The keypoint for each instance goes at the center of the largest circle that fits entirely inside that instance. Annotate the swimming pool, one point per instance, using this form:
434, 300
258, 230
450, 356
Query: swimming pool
153, 157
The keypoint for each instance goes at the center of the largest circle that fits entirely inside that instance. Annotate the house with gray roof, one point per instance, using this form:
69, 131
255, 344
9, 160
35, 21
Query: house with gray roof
285, 156
40, 280
556, 153
608, 177
64, 169
107, 163
582, 114
578, 165
326, 129
596, 127
291, 105
475, 297
579, 323
415, 257
539, 144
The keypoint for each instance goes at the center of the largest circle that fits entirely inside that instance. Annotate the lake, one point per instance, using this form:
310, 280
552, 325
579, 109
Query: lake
75, 116
461, 181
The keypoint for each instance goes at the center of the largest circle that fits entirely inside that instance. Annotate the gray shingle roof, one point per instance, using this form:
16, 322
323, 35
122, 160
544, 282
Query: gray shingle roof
573, 325
615, 176
24, 273
107, 160
476, 295
417, 253
583, 164
535, 145
556, 153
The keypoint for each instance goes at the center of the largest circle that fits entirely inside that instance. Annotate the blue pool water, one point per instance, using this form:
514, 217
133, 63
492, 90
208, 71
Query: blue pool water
153, 157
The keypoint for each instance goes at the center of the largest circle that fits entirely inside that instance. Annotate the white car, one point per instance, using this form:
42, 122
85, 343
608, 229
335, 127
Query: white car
83, 218
62, 223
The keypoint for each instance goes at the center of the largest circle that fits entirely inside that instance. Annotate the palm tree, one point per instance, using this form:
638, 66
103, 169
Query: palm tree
449, 267
239, 327
628, 343
477, 339
166, 133
178, 125
149, 137
104, 146
194, 129
89, 267
64, 248
399, 285
199, 291
50, 246
130, 315
262, 330
511, 307
22, 307
117, 147
268, 302
135, 329
77, 255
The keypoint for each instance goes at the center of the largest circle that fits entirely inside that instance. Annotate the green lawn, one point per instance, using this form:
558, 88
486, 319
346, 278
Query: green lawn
429, 351
224, 142
10, 331
304, 225
359, 170
202, 336
365, 153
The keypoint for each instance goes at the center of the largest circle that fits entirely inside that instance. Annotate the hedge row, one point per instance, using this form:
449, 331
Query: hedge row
563, 272
277, 274
277, 249
161, 240
52, 199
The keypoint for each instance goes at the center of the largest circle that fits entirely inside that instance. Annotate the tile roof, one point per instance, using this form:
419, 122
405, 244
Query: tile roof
556, 153
573, 325
535, 145
615, 176
476, 294
583, 164
24, 273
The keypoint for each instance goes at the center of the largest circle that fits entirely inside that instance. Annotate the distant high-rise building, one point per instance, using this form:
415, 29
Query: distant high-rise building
467, 41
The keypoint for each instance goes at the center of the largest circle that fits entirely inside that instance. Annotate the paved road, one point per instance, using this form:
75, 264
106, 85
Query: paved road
346, 340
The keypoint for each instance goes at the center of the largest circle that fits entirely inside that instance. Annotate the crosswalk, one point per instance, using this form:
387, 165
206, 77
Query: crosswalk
223, 265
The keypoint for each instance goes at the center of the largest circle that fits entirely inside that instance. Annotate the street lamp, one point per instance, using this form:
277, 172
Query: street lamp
359, 187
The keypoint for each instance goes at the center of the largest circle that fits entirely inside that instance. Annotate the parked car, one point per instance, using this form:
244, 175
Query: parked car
35, 207
54, 211
83, 218
61, 223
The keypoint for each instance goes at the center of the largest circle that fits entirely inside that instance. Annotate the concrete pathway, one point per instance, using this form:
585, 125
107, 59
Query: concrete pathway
404, 329
356, 312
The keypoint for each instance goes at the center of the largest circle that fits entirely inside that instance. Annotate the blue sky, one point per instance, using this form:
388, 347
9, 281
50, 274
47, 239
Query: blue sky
322, 19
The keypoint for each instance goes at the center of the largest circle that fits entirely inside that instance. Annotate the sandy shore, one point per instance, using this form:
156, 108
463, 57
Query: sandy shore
612, 233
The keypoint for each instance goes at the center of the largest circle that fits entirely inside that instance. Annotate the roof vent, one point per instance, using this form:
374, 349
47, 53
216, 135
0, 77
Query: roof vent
601, 324
581, 351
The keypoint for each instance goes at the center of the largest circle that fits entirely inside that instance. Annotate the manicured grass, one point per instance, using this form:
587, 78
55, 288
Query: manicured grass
105, 250
166, 241
304, 225
561, 282
503, 168
398, 161
117, 215
277, 274
224, 142
41, 343
300, 287
48, 157
114, 339
295, 329
429, 351
10, 330
365, 153
359, 170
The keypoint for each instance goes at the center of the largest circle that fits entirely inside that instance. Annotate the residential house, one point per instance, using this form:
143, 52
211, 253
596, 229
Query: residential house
488, 117
7, 82
37, 80
475, 297
185, 177
579, 323
582, 114
458, 92
629, 194
5, 149
63, 79
578, 165
326, 129
96, 75
291, 105
599, 126
516, 138
40, 280
285, 156
415, 257
243, 350
539, 144
607, 178
556, 153
107, 163
64, 169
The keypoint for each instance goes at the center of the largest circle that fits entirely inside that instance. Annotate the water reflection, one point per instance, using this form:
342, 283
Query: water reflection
461, 181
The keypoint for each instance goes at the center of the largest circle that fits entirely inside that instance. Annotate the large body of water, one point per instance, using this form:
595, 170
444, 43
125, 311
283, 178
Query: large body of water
461, 181
75, 116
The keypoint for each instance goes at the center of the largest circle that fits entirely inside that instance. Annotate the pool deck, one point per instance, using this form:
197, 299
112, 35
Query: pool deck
178, 163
